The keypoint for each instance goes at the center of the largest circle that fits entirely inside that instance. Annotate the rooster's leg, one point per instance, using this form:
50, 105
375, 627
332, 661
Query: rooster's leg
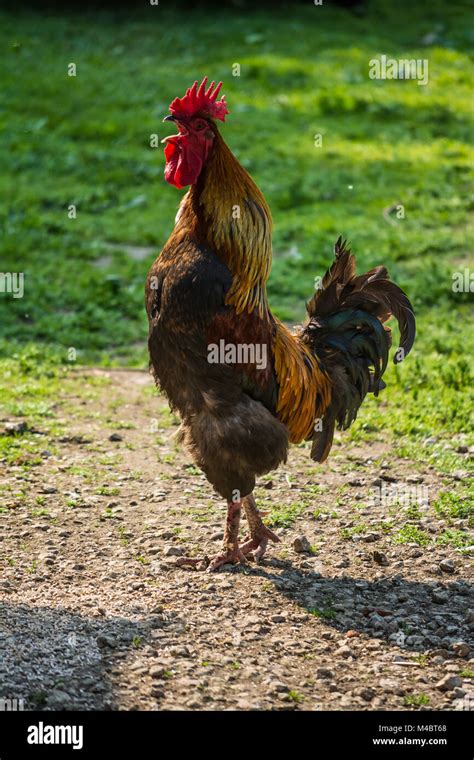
259, 533
231, 553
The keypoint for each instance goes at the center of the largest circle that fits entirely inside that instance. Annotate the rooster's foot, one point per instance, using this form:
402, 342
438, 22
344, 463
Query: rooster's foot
231, 555
258, 542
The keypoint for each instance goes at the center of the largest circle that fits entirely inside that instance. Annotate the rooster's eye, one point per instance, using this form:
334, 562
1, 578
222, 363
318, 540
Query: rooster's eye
199, 126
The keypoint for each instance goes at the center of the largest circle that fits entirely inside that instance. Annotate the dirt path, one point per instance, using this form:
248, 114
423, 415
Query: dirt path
95, 614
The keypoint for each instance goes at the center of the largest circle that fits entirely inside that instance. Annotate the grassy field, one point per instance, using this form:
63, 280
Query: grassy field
85, 140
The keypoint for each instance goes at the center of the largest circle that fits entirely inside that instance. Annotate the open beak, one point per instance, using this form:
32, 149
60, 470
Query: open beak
171, 138
181, 129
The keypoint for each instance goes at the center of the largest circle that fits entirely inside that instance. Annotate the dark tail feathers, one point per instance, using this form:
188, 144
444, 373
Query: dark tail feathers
347, 332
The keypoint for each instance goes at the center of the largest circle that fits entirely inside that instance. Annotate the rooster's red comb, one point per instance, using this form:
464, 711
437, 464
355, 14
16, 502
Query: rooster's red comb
201, 100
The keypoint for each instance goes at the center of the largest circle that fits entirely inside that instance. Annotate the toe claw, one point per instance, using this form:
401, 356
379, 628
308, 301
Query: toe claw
230, 557
196, 563
262, 547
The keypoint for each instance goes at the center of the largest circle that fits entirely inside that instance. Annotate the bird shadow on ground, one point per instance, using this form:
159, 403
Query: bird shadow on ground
412, 614
55, 659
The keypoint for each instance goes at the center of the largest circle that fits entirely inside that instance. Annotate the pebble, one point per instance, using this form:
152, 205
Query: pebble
278, 687
106, 641
173, 551
366, 693
15, 428
440, 597
278, 619
390, 685
344, 651
157, 671
301, 544
115, 437
461, 649
370, 537
447, 566
324, 673
58, 699
448, 683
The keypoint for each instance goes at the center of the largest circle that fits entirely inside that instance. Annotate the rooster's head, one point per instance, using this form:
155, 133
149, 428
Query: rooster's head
194, 114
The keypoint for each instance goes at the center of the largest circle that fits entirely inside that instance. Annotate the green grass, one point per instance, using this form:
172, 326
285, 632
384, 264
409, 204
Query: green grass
284, 515
416, 700
85, 140
453, 537
410, 534
355, 530
456, 505
295, 696
327, 613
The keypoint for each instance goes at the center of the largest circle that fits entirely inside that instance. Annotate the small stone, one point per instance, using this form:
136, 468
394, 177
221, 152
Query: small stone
115, 437
366, 693
344, 651
462, 449
58, 698
173, 551
439, 597
370, 537
15, 428
380, 558
447, 566
157, 671
278, 687
106, 641
218, 536
442, 653
461, 649
448, 683
324, 673
388, 684
301, 544
156, 621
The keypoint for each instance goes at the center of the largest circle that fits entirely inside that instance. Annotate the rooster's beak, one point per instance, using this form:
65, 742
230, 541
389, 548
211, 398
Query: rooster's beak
169, 118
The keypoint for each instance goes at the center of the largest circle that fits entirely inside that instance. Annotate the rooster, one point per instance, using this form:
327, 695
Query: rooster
207, 289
